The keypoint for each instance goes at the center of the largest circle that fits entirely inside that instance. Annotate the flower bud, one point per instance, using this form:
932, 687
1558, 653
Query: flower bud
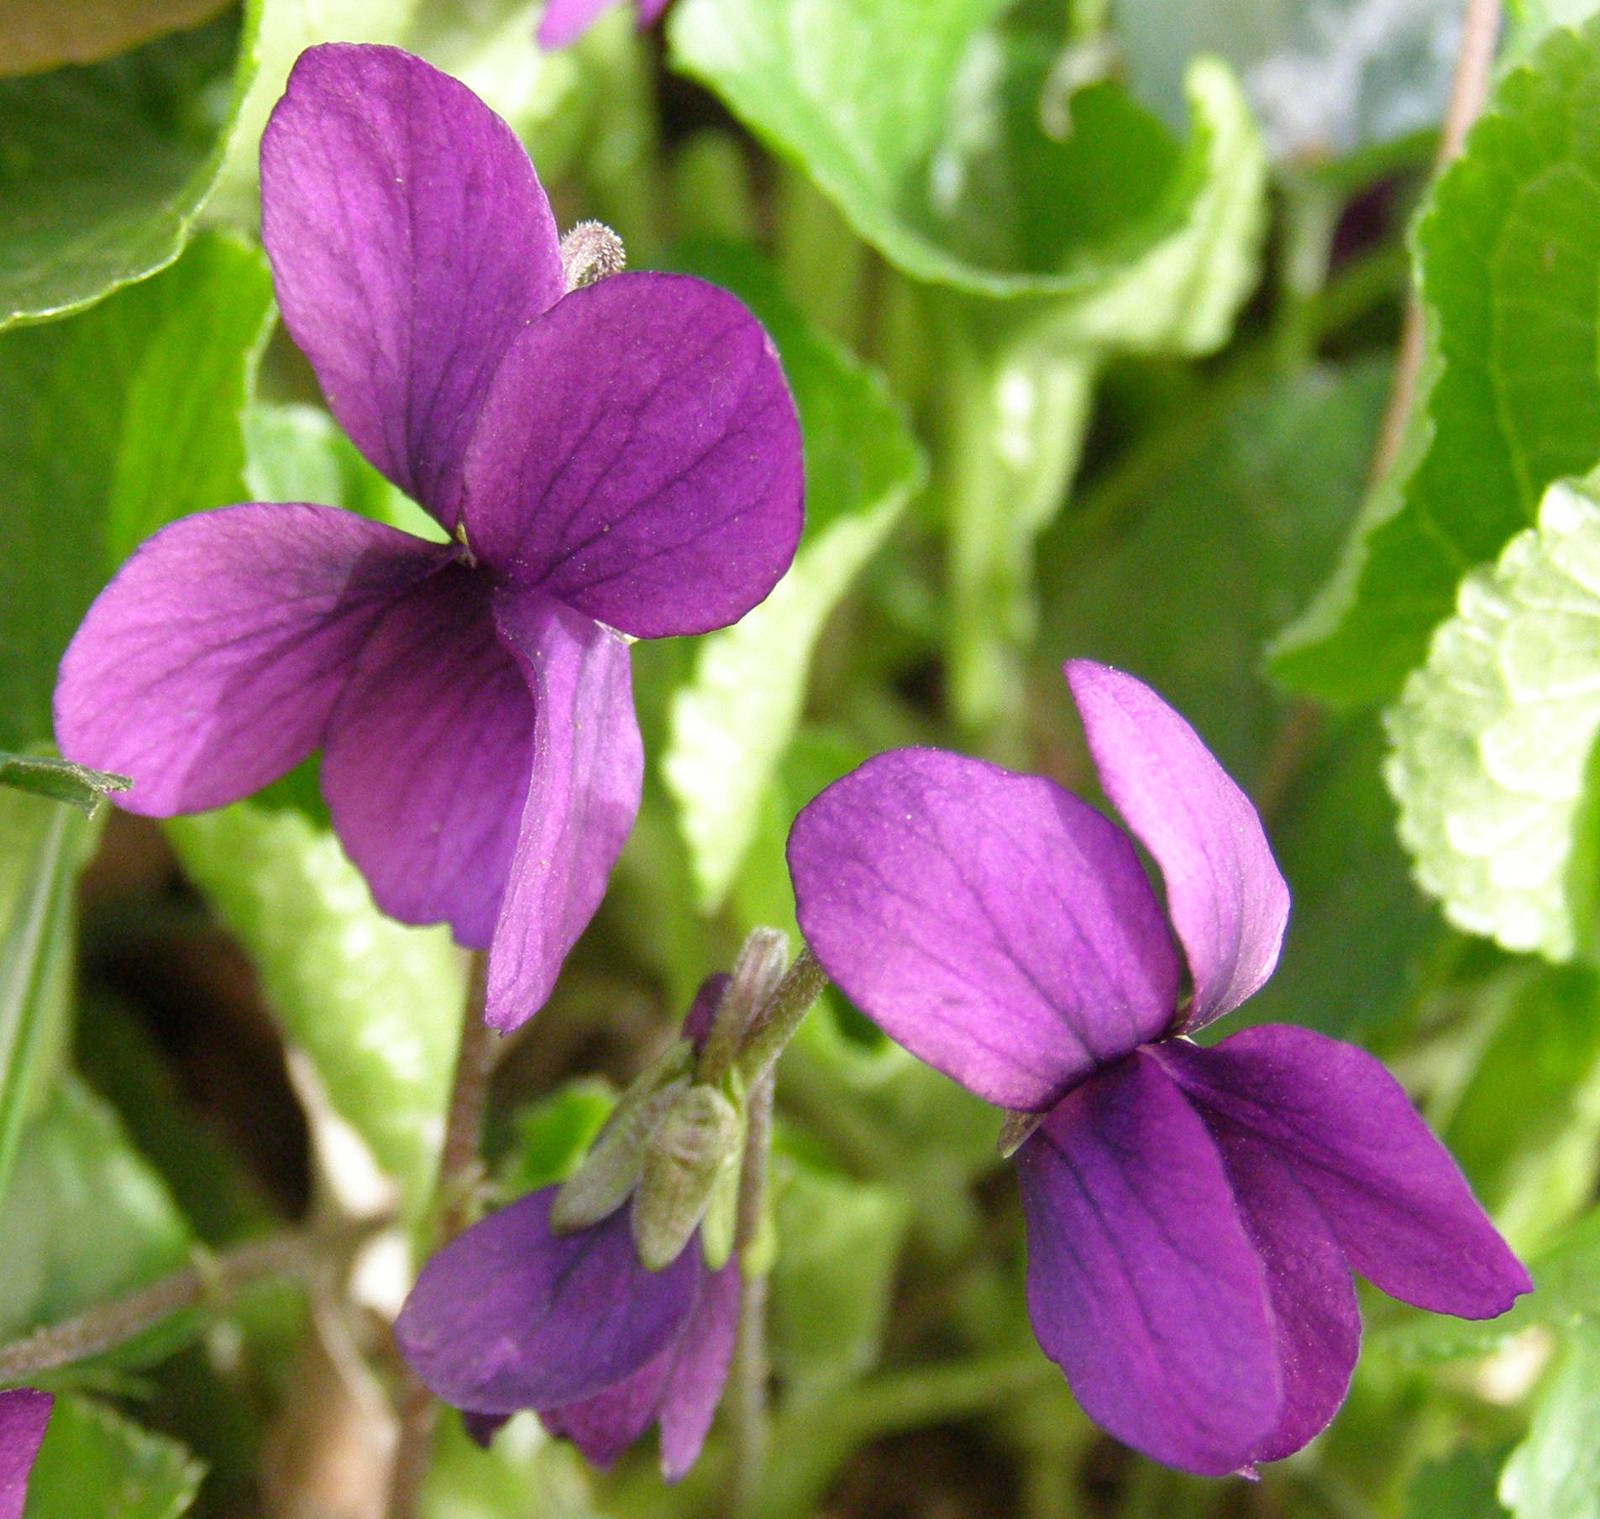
611, 1169
590, 252
699, 1138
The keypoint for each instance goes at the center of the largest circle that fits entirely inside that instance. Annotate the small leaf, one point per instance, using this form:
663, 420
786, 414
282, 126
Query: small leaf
85, 1217
111, 424
1492, 739
93, 1461
554, 1133
1555, 1472
1508, 264
924, 124
732, 722
82, 219
374, 1004
50, 776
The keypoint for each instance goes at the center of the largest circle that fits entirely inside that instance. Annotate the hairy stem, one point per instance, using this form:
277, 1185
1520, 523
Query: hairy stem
748, 1407
774, 1026
210, 1283
453, 1195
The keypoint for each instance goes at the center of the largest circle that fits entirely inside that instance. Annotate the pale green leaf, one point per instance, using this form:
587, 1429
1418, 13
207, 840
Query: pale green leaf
1555, 1472
107, 165
375, 1005
733, 720
1492, 739
93, 1461
85, 1217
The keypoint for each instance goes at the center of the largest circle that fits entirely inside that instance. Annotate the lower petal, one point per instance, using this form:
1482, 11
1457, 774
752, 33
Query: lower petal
699, 1371
510, 1316
427, 759
1395, 1200
23, 1416
1313, 1299
210, 665
1143, 1285
586, 774
604, 1426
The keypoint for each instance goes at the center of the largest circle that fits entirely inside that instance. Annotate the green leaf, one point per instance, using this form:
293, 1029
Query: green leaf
924, 125
376, 1006
553, 1134
85, 1217
1555, 1472
732, 722
839, 1243
1324, 76
1460, 1487
1492, 740
112, 423
1508, 264
41, 846
93, 1461
106, 165
50, 776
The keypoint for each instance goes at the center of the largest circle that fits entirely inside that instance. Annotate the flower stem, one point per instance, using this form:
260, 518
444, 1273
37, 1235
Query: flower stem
750, 1370
453, 1196
770, 1032
210, 1283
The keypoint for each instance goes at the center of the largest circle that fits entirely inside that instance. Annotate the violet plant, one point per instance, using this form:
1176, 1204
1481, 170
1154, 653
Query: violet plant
430, 594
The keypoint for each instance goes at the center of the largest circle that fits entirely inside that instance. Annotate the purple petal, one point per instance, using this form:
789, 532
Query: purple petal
410, 242
1317, 1321
564, 21
1228, 902
998, 928
1395, 1200
638, 458
510, 1316
23, 1416
1142, 1283
699, 1371
650, 11
703, 1010
584, 785
604, 1426
482, 1428
428, 757
210, 664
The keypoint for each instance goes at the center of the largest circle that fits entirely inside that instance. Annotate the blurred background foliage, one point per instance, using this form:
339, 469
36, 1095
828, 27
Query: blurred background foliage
1090, 308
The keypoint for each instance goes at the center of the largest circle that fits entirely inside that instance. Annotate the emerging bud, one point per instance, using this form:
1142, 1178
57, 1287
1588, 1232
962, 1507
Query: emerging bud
589, 252
611, 1169
756, 974
700, 1137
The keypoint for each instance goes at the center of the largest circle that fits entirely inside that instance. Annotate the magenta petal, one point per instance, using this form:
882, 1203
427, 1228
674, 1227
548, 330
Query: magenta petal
564, 21
998, 928
1142, 1283
410, 242
509, 1316
1227, 899
209, 666
699, 1371
604, 1426
1317, 1320
638, 458
585, 778
650, 11
23, 1416
428, 757
1395, 1200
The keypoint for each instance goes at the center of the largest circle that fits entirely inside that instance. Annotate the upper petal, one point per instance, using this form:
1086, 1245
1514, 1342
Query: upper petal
1395, 1200
509, 1316
638, 458
410, 242
585, 775
23, 1416
1142, 1283
1315, 1316
564, 21
998, 928
209, 665
699, 1370
1227, 899
427, 759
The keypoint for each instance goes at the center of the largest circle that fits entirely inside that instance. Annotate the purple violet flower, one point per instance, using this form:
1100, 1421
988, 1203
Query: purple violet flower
623, 459
1193, 1214
564, 21
513, 1315
23, 1416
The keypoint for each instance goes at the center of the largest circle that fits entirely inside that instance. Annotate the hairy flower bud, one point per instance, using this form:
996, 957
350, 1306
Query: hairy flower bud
700, 1137
589, 252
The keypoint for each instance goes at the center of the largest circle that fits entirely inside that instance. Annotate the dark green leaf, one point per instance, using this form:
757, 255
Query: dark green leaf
1460, 1487
50, 776
553, 1134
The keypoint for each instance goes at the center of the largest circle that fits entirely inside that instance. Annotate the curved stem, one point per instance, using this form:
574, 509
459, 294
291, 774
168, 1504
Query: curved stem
770, 1032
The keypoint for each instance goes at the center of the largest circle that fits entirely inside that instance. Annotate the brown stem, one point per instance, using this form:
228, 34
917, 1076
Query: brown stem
211, 1283
458, 1173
